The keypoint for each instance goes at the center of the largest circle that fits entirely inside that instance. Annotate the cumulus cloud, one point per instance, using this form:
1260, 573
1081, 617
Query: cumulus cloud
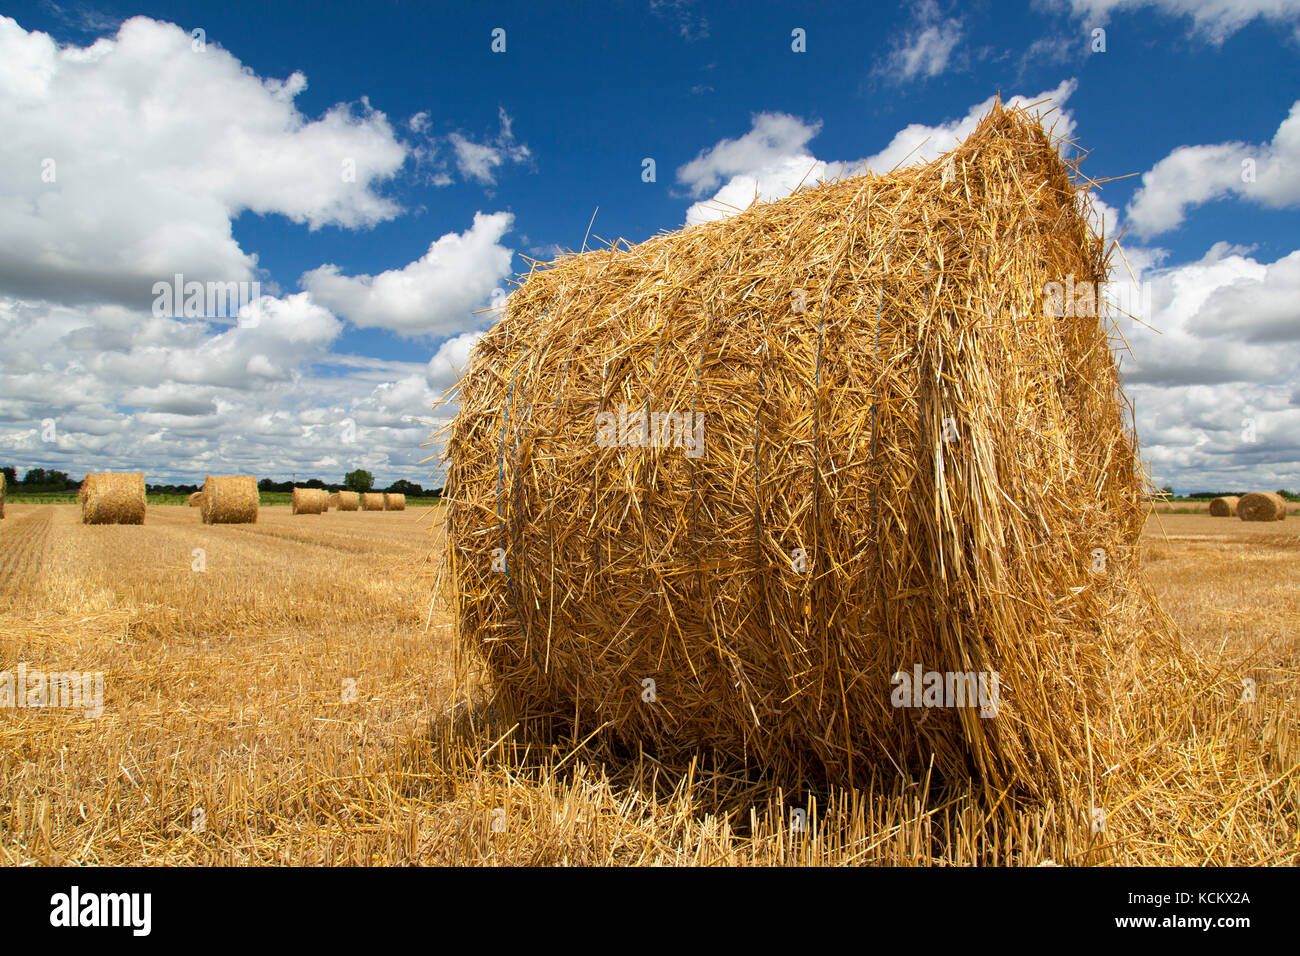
177, 398
1266, 173
766, 163
1210, 377
433, 295
110, 178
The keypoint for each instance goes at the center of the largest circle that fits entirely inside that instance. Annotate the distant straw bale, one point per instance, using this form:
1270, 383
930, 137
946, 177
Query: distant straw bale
196, 500
394, 501
230, 499
1224, 506
113, 498
348, 501
308, 501
1261, 506
372, 501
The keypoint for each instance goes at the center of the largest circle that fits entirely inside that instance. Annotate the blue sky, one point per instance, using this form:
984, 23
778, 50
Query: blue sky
221, 163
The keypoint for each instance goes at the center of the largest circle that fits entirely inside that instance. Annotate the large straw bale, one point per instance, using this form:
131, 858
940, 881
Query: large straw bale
394, 501
230, 499
348, 501
1224, 506
1261, 506
113, 498
893, 452
372, 501
309, 501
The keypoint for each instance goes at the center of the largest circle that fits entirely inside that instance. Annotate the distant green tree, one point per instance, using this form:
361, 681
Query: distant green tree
404, 487
11, 476
359, 480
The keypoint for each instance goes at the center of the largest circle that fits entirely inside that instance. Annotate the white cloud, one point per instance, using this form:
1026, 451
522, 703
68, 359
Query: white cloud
433, 295
772, 139
111, 176
1266, 173
480, 161
1212, 20
177, 399
1213, 360
925, 48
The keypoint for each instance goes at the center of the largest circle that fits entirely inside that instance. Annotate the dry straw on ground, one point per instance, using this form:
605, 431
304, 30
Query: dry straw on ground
1224, 507
1261, 506
113, 498
372, 501
230, 499
309, 501
394, 501
905, 460
348, 501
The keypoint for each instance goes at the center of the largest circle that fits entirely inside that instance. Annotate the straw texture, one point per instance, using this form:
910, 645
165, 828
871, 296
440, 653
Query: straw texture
112, 498
898, 458
394, 501
372, 501
196, 500
229, 499
348, 501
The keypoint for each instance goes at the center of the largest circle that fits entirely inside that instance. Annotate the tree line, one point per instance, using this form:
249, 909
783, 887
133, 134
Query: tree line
50, 481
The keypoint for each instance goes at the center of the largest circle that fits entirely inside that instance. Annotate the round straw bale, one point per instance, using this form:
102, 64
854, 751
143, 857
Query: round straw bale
1224, 506
113, 499
230, 499
394, 501
196, 500
1261, 506
308, 501
332, 501
740, 490
372, 501
348, 501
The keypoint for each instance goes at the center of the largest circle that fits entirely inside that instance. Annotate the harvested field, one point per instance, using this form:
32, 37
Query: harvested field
227, 691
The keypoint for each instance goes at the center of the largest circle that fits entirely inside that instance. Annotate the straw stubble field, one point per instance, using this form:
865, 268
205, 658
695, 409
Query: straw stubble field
295, 702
